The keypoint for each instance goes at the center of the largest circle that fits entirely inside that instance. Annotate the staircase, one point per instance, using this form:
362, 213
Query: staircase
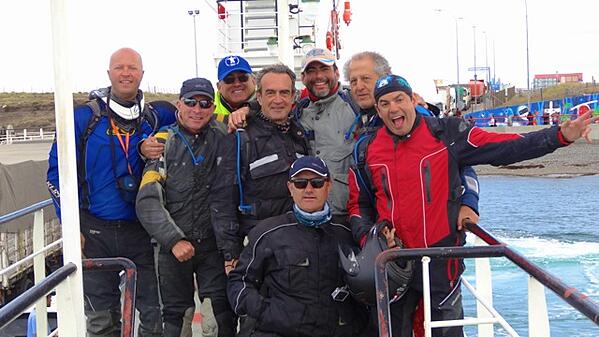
252, 29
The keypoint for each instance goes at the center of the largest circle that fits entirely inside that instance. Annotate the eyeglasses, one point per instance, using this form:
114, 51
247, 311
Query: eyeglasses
302, 183
192, 102
241, 78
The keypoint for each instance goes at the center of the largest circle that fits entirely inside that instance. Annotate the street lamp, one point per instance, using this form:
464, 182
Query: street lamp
457, 46
194, 13
527, 55
457, 51
474, 39
487, 58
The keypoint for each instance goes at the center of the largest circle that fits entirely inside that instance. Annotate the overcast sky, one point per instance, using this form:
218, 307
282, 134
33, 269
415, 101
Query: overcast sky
418, 41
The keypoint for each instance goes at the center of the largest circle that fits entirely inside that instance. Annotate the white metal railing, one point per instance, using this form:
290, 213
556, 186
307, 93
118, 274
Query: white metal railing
487, 316
13, 136
38, 257
538, 280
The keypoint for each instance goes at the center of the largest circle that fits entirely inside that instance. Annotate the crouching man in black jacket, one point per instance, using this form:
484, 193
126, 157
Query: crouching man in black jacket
288, 277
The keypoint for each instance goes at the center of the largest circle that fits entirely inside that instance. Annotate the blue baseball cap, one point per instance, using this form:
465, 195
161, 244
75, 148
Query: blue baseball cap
391, 83
232, 63
309, 163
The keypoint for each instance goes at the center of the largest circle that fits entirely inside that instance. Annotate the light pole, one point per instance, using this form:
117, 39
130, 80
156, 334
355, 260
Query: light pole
457, 51
494, 60
457, 46
487, 58
474, 39
527, 55
194, 13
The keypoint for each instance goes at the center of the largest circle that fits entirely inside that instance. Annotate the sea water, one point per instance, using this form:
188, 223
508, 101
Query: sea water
554, 222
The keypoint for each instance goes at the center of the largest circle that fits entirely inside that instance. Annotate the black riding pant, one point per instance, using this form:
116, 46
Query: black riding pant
105, 239
177, 287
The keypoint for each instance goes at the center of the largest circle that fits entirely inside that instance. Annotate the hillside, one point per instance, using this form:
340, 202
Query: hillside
36, 110
554, 92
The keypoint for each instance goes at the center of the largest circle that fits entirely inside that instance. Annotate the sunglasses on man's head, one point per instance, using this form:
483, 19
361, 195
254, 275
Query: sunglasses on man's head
302, 183
241, 78
192, 102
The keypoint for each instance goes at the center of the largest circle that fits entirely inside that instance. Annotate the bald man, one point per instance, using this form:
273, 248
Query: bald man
107, 131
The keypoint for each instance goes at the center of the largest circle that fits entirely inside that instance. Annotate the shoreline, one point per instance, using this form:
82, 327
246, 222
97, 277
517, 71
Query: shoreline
578, 159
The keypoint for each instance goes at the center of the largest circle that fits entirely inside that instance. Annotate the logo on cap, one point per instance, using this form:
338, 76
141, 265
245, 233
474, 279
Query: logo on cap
383, 83
315, 52
232, 61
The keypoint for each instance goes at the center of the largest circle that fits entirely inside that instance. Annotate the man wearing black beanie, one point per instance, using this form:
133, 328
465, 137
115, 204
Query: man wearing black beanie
413, 165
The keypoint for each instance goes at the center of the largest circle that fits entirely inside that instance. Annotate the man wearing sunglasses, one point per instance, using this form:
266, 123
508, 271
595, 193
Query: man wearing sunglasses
236, 86
172, 204
288, 277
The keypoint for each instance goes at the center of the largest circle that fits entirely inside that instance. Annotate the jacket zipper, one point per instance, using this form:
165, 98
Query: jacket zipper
385, 189
426, 172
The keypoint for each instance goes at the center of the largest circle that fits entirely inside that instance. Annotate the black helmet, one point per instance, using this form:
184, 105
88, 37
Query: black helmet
359, 269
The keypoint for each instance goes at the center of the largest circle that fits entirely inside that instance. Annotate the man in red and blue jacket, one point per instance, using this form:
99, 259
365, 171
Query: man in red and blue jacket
413, 169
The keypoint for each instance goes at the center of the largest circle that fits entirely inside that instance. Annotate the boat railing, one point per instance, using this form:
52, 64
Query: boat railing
487, 316
59, 279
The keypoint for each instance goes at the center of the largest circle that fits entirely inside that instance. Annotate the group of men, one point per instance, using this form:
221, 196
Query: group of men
256, 216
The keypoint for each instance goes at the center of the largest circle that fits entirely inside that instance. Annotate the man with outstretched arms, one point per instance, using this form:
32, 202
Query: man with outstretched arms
289, 277
250, 183
108, 130
413, 167
172, 204
362, 70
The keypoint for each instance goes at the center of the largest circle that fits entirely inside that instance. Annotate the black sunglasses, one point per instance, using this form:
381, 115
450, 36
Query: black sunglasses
302, 183
241, 78
192, 102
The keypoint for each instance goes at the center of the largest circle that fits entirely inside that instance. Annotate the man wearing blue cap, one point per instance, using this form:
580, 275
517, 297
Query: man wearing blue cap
288, 277
236, 86
172, 205
413, 164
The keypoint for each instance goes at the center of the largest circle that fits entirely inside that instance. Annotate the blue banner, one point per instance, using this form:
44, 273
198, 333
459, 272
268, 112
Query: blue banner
541, 112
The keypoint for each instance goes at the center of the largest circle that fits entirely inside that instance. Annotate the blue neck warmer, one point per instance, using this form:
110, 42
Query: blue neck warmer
312, 219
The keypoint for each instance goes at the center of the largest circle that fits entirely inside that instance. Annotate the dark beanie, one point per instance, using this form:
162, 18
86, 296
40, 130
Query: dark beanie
391, 83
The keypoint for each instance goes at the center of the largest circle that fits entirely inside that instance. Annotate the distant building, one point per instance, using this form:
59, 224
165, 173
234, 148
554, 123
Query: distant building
547, 80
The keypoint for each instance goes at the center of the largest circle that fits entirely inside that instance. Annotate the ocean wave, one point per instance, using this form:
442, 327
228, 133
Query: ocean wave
543, 248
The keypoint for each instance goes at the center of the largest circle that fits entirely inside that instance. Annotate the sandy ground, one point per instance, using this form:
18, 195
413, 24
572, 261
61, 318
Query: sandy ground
579, 158
18, 152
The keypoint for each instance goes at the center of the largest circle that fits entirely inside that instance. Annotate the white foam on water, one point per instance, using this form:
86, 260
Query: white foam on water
540, 248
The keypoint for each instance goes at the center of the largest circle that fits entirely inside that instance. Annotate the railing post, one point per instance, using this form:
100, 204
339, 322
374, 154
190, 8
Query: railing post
538, 319
484, 287
24, 134
39, 270
4, 259
426, 294
42, 133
